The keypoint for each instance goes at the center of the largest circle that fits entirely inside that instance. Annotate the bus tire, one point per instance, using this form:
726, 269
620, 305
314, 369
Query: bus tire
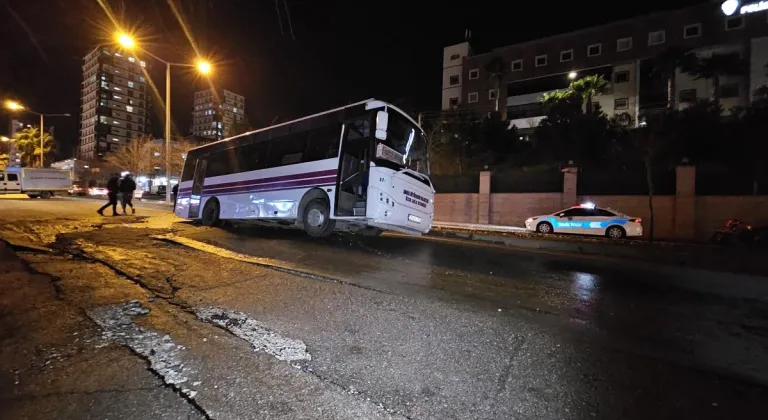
317, 218
211, 210
32, 195
45, 195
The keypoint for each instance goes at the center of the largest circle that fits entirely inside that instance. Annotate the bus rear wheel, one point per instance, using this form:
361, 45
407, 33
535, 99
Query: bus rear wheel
317, 219
211, 213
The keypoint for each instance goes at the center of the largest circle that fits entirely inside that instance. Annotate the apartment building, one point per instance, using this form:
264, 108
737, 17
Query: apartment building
114, 104
620, 52
215, 112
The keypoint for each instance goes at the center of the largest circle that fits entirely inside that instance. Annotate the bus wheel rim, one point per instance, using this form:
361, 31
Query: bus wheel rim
315, 218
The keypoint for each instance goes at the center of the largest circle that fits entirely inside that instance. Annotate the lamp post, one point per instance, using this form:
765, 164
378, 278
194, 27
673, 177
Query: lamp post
202, 66
15, 106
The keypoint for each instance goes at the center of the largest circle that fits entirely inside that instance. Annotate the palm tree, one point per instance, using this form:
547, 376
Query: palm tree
555, 96
588, 87
665, 66
27, 143
497, 72
716, 66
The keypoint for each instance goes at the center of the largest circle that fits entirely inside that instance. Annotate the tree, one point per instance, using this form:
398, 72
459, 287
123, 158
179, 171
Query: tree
588, 87
497, 72
179, 149
649, 142
665, 66
27, 143
716, 66
136, 156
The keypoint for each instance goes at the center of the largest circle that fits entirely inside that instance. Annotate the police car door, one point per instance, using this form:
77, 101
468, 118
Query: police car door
569, 221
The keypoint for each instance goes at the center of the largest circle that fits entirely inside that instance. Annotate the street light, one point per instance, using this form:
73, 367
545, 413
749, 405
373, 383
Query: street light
572, 75
202, 67
15, 106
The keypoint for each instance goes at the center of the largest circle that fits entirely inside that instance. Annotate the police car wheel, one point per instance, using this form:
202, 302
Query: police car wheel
616, 232
544, 228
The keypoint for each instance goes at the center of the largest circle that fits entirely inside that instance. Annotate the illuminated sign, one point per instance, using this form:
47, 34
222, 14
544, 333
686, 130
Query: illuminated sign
730, 7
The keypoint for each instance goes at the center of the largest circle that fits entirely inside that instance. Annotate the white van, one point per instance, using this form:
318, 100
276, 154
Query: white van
35, 182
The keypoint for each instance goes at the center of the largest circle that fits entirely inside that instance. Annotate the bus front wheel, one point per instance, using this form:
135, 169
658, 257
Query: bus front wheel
211, 213
317, 219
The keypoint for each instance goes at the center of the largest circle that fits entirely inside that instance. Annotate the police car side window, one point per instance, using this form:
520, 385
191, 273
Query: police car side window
605, 213
574, 213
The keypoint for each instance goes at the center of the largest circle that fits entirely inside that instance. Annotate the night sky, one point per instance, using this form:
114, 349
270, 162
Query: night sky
340, 51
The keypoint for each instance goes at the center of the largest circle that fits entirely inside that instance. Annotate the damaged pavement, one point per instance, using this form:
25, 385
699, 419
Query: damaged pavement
149, 318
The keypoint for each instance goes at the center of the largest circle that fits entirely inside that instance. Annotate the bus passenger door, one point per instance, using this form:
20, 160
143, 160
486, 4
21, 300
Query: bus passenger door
354, 160
197, 188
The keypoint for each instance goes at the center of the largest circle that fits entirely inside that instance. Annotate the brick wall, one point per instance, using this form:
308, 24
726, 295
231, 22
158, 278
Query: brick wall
512, 209
457, 208
672, 213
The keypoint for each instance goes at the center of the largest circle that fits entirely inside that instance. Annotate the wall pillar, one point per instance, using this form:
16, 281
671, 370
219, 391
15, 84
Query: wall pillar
484, 199
685, 202
570, 181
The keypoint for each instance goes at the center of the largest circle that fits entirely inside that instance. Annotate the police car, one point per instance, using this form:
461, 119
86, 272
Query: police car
587, 219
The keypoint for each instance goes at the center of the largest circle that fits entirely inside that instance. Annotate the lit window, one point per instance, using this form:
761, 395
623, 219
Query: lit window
131, 59
104, 84
471, 98
102, 119
117, 96
656, 38
594, 50
117, 88
130, 84
234, 110
517, 65
129, 108
115, 122
118, 55
142, 79
143, 64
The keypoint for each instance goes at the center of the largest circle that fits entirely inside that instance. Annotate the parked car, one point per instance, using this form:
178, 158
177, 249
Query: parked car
77, 189
97, 192
587, 219
161, 190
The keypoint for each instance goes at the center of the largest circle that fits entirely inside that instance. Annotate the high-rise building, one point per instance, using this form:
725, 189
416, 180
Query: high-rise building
114, 102
216, 112
513, 78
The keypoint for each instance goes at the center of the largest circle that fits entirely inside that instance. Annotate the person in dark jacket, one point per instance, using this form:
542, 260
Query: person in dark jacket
174, 194
113, 187
127, 187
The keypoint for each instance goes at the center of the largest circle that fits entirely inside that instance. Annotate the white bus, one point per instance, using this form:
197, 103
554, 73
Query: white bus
362, 168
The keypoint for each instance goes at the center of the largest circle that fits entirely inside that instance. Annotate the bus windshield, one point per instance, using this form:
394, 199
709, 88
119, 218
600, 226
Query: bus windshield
406, 138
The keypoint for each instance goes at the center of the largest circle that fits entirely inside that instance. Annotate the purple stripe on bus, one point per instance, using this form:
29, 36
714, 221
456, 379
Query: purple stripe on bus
269, 189
272, 187
269, 180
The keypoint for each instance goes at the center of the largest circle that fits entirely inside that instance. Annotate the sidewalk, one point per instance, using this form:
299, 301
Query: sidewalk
708, 257
53, 363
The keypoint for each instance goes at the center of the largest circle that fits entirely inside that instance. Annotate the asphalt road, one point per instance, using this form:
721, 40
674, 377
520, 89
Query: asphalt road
359, 327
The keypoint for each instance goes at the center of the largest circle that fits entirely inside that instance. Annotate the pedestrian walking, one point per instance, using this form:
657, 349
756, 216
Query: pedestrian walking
174, 194
113, 187
127, 187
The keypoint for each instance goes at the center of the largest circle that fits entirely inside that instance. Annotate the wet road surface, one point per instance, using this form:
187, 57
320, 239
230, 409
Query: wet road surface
420, 328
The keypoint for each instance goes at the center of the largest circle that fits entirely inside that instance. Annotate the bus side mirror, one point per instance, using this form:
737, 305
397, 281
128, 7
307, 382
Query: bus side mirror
382, 120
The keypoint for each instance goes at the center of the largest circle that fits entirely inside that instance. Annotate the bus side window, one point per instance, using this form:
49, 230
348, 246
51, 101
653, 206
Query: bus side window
287, 150
323, 143
252, 157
